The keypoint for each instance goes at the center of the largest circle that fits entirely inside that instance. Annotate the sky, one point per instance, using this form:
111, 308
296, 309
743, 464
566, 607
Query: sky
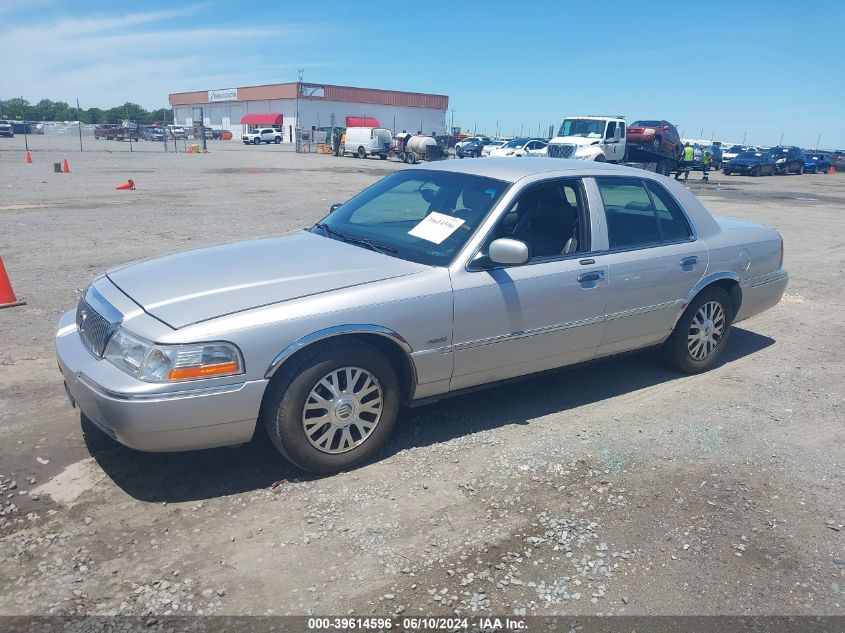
754, 70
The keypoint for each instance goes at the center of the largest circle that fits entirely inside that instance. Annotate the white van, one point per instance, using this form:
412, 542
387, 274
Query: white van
367, 141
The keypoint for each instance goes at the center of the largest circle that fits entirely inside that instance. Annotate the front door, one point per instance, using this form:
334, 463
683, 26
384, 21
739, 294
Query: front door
653, 262
516, 320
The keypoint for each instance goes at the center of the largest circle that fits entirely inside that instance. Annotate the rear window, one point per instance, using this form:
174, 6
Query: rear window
638, 213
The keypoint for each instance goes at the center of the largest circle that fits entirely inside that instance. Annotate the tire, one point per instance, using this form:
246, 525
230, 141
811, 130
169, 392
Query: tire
412, 158
691, 356
383, 156
362, 153
476, 154
800, 171
758, 171
726, 172
256, 141
278, 140
657, 143
285, 416
600, 159
402, 157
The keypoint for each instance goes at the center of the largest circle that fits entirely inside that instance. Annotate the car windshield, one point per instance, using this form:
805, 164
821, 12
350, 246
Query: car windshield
424, 216
646, 124
736, 149
779, 150
517, 142
750, 155
586, 128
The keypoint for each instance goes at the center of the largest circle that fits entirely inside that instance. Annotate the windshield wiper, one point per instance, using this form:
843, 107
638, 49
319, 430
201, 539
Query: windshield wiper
363, 241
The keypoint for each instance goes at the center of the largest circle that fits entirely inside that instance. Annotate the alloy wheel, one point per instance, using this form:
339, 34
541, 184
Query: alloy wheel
706, 330
342, 410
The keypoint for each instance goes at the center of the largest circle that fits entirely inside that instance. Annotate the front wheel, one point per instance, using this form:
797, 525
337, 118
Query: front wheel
278, 140
800, 170
256, 141
700, 335
757, 172
333, 408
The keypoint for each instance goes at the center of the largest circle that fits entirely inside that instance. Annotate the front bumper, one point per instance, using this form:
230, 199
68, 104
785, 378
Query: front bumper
204, 414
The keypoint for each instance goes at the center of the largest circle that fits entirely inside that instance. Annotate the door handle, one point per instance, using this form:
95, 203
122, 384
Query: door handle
587, 261
593, 275
689, 261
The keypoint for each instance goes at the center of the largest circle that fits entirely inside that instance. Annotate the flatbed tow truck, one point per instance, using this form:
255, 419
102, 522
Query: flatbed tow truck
603, 139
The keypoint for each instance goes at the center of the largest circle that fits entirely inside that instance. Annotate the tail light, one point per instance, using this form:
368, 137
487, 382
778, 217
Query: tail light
781, 250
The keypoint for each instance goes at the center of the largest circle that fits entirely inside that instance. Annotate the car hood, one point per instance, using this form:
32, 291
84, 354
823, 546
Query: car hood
203, 284
745, 161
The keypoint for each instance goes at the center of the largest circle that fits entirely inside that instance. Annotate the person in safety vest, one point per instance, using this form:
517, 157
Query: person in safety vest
706, 160
687, 159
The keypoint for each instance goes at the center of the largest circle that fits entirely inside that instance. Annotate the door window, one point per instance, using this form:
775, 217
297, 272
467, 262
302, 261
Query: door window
551, 218
611, 130
637, 216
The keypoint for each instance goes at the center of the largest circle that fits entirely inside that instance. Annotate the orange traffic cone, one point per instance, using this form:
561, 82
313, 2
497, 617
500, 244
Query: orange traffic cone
28, 158
7, 295
129, 184
65, 167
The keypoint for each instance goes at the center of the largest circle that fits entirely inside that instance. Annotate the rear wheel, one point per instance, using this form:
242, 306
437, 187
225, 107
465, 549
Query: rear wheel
333, 408
700, 336
278, 140
800, 169
362, 153
757, 171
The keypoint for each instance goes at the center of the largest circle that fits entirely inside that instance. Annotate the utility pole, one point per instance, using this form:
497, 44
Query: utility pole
202, 129
298, 123
78, 123
781, 139
129, 129
743, 137
818, 140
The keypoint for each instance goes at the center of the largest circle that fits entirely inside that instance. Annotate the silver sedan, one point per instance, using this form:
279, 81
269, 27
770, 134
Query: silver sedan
434, 280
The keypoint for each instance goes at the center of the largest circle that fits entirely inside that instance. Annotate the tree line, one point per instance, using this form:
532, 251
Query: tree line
47, 110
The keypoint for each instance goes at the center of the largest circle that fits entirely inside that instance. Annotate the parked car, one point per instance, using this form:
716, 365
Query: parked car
661, 135
470, 139
407, 293
816, 163
176, 132
153, 133
367, 141
735, 150
519, 147
490, 146
472, 149
751, 164
788, 159
265, 135
6, 128
109, 131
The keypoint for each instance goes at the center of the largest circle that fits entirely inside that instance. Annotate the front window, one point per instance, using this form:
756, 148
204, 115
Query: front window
424, 216
586, 128
514, 144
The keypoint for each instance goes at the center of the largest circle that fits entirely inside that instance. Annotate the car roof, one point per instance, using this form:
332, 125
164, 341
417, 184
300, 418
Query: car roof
511, 169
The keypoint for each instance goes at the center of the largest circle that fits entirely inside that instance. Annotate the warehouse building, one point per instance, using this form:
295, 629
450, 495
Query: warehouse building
318, 105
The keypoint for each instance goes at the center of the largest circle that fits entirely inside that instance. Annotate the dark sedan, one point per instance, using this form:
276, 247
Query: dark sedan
787, 159
472, 149
751, 164
816, 163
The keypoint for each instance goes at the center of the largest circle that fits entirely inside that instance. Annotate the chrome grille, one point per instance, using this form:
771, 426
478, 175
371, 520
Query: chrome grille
560, 150
94, 329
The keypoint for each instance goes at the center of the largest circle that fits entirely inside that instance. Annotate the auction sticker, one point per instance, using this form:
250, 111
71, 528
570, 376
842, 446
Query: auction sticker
436, 227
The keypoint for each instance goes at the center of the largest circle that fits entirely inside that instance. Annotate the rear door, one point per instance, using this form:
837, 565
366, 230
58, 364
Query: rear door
654, 259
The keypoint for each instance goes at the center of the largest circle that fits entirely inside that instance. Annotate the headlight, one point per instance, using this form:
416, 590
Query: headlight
172, 363
781, 160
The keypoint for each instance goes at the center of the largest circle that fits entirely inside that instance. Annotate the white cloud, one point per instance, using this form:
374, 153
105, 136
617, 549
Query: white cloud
142, 57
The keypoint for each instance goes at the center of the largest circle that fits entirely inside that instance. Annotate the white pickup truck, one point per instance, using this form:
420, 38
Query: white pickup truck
603, 139
264, 135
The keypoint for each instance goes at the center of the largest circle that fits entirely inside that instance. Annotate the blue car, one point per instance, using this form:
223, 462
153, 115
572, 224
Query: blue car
751, 164
816, 163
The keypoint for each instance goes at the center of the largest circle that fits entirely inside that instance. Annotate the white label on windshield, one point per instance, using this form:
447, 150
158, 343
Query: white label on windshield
436, 227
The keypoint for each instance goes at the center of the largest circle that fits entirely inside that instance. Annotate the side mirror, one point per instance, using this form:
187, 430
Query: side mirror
508, 252
335, 207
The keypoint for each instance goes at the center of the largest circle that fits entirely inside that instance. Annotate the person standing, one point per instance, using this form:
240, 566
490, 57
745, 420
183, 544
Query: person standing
706, 160
687, 159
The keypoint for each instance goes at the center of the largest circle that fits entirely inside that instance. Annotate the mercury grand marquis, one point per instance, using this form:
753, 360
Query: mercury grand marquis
434, 280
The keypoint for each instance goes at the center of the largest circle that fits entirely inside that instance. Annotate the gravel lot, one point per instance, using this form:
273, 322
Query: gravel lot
621, 487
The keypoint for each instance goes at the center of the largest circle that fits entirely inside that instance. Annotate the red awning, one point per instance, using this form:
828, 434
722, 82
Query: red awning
360, 121
262, 119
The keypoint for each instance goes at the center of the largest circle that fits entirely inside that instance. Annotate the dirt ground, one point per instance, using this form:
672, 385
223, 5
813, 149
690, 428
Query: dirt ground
621, 487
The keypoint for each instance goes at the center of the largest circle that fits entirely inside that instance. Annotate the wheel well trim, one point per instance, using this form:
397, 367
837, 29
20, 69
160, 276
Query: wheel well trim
707, 280
342, 330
